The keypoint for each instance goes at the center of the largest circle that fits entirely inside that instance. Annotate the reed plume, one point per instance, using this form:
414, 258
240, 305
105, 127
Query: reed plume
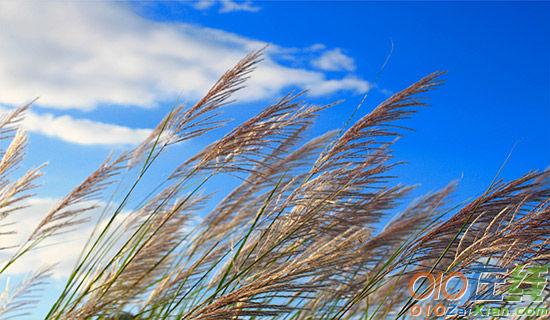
315, 228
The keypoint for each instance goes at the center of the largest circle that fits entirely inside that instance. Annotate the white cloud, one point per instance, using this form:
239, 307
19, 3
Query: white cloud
65, 249
347, 83
62, 251
82, 131
227, 6
334, 60
83, 54
316, 47
203, 4
231, 6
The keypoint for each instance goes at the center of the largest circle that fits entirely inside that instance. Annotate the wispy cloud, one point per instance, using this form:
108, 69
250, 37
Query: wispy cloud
84, 54
347, 83
231, 6
203, 4
82, 131
334, 60
226, 6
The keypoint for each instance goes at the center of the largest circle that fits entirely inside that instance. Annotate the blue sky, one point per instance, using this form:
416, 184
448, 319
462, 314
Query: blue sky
107, 72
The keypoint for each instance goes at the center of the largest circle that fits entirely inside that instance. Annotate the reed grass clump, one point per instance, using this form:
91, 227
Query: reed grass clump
297, 239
